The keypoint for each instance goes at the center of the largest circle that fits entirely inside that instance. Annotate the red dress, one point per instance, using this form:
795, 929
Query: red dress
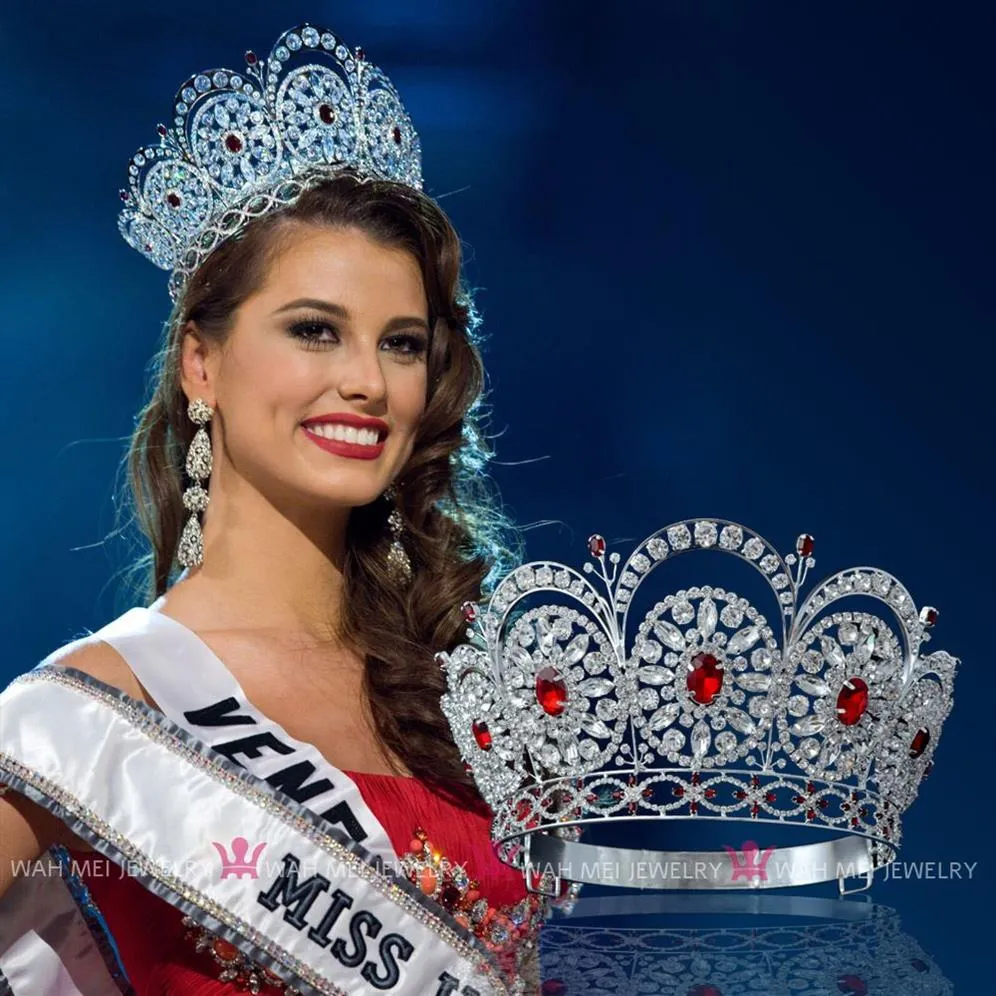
159, 953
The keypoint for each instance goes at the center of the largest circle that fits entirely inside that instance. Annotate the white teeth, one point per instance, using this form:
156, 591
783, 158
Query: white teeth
345, 433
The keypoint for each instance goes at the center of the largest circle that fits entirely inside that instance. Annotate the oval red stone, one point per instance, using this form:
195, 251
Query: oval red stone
805, 545
551, 692
596, 545
233, 143
326, 113
705, 679
482, 735
928, 615
224, 950
852, 985
450, 895
920, 741
251, 57
469, 611
852, 701
173, 199
161, 129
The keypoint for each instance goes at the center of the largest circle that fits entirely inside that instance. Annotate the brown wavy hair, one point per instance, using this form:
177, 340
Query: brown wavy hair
455, 534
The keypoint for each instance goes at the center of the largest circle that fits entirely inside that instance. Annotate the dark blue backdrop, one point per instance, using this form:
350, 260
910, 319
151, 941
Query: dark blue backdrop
735, 260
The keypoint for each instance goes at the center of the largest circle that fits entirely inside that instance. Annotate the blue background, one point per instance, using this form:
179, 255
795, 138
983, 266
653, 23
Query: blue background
735, 259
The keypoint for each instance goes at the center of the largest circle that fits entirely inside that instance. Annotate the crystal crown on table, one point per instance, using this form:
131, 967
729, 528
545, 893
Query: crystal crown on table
822, 717
243, 143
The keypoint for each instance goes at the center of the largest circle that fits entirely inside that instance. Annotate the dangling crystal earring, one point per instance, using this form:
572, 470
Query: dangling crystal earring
195, 498
398, 563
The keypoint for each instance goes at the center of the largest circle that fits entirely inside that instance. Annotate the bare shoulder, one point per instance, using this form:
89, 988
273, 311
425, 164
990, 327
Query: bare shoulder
100, 660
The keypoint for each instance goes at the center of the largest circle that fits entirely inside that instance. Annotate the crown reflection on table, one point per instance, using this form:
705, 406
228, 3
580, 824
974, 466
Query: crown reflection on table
851, 949
822, 717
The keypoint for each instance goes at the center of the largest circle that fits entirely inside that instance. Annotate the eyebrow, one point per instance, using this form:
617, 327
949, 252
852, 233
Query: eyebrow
338, 311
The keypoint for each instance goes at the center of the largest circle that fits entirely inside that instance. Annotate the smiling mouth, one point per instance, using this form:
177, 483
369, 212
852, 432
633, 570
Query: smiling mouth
347, 440
346, 433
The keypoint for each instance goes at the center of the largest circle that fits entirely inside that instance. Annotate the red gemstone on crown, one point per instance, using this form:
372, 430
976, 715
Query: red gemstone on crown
251, 57
805, 545
469, 611
551, 692
482, 735
596, 545
852, 701
173, 199
161, 129
920, 741
233, 143
852, 985
326, 113
928, 615
396, 134
705, 679
123, 194
360, 54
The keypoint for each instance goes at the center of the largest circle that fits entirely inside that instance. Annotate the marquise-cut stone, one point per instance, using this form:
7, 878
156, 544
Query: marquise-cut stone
831, 652
808, 726
663, 717
655, 675
669, 635
754, 682
593, 687
701, 738
708, 617
595, 727
812, 686
739, 720
743, 640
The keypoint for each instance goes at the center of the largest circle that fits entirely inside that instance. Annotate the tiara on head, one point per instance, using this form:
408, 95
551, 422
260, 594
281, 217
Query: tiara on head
823, 718
244, 143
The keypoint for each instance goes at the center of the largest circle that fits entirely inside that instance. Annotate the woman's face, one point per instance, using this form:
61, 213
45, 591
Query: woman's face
322, 382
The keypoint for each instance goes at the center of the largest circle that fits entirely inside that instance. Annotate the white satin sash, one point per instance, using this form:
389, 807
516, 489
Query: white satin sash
293, 891
195, 689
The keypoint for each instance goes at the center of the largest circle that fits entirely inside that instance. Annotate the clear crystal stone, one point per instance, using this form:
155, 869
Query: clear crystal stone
657, 548
705, 534
682, 612
651, 674
754, 682
753, 548
708, 617
701, 738
809, 725
663, 717
731, 537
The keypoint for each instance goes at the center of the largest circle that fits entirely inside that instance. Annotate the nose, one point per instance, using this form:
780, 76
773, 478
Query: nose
361, 377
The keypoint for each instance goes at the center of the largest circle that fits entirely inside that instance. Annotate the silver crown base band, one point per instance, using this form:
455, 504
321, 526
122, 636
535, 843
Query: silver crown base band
847, 856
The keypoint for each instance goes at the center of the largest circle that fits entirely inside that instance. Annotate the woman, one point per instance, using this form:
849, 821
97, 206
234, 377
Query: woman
309, 457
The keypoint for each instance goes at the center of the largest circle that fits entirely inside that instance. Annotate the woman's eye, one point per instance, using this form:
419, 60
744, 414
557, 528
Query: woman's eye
407, 345
312, 333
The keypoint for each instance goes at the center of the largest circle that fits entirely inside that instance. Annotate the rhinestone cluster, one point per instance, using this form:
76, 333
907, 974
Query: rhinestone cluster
234, 966
243, 143
450, 886
565, 713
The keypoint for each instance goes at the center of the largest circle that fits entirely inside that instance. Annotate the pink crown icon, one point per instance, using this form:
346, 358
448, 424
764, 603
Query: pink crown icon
238, 865
754, 861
